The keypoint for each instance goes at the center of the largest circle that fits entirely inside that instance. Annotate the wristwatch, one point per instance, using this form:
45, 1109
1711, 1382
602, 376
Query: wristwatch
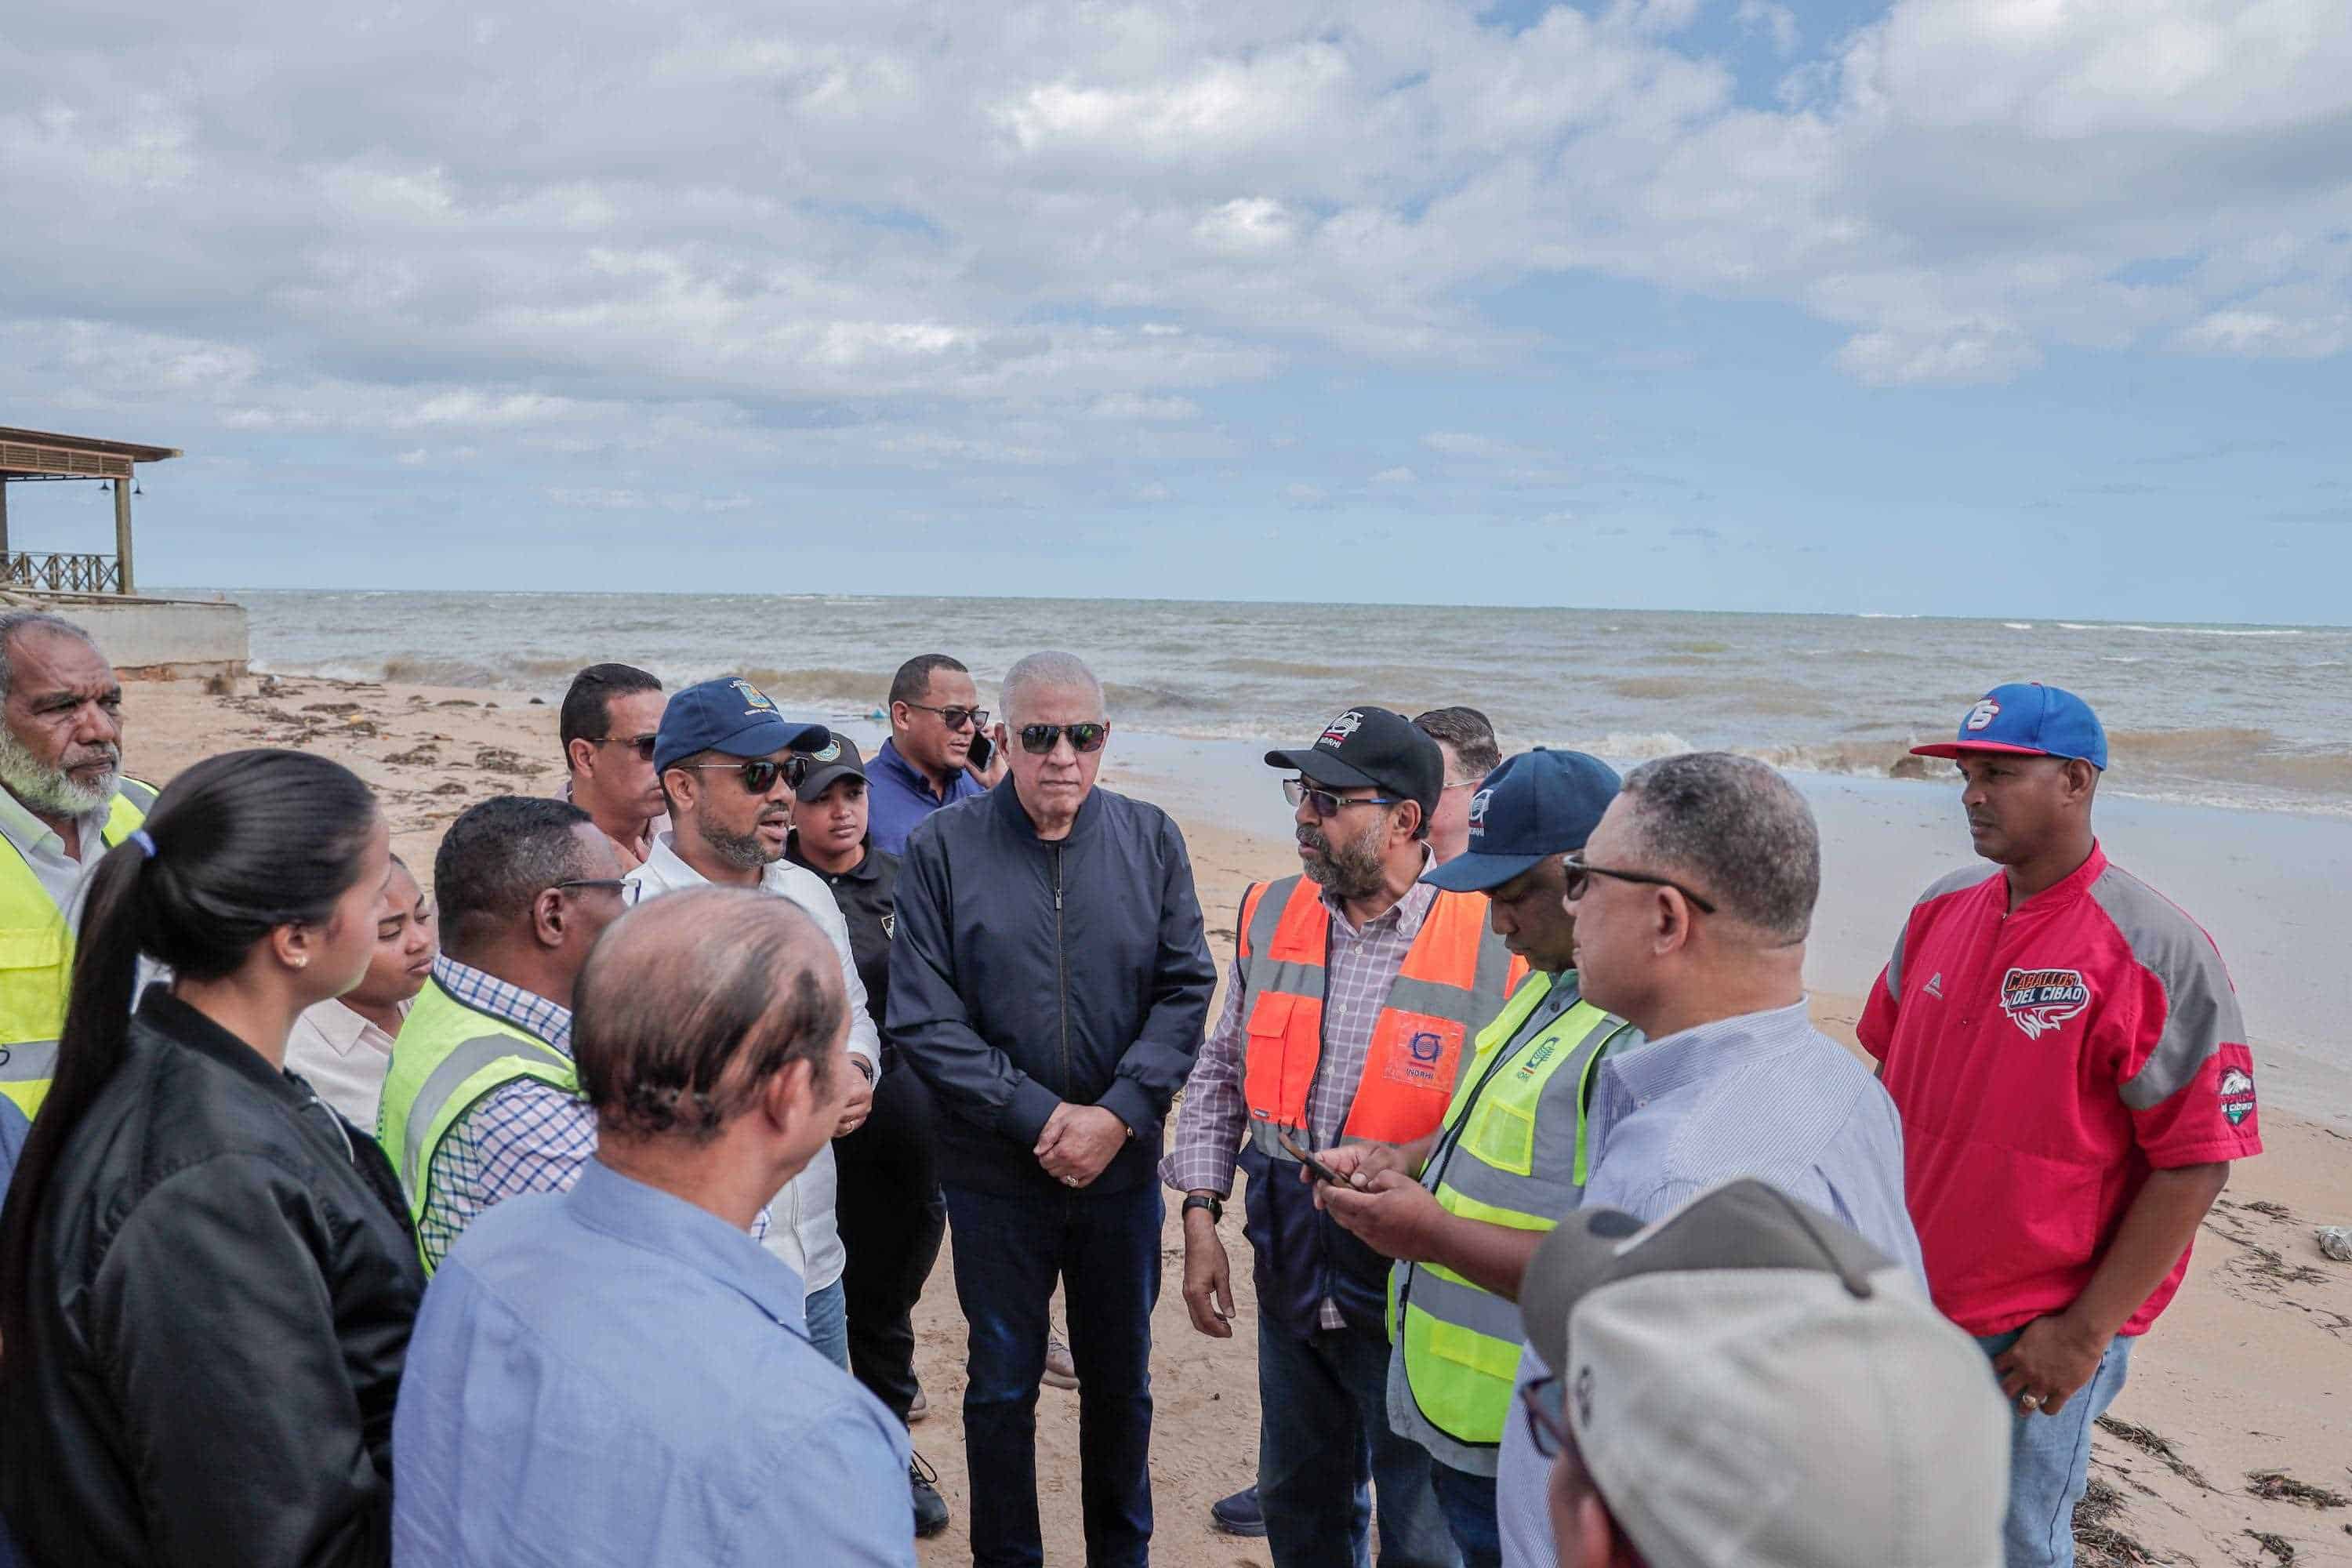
1205, 1201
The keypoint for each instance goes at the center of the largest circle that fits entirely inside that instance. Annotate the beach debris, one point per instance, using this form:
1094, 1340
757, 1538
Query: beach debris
2264, 1207
2097, 1543
452, 787
2278, 1486
2278, 1546
2147, 1442
343, 707
2336, 1241
456, 702
498, 760
416, 756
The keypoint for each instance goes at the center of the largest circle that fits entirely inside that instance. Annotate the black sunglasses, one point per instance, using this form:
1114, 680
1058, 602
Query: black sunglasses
1547, 1415
641, 745
1580, 877
1325, 804
627, 889
1039, 738
760, 774
955, 718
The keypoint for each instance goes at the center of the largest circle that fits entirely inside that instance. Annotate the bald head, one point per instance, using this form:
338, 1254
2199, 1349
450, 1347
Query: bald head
692, 1002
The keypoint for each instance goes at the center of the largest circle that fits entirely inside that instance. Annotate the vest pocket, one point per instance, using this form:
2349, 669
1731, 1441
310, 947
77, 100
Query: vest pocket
1505, 1136
32, 959
1467, 1347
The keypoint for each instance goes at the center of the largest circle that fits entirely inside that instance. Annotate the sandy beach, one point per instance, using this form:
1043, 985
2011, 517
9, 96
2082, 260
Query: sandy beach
2249, 1373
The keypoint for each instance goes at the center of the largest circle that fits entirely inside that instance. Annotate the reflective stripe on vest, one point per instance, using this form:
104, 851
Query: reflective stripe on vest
1462, 1342
446, 1059
1456, 973
37, 951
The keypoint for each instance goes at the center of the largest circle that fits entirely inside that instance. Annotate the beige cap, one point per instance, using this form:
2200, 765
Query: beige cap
1748, 1381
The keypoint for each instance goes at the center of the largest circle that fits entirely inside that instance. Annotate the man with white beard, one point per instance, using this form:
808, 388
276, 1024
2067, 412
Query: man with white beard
64, 803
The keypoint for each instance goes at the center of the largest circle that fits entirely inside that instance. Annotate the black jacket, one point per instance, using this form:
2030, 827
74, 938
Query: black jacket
864, 892
223, 1283
1026, 972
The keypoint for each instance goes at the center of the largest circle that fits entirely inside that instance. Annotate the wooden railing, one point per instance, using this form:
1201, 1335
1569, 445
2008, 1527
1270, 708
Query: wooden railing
61, 574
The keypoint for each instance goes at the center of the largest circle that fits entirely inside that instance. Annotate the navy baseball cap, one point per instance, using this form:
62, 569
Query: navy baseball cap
733, 716
1537, 804
1371, 748
2027, 718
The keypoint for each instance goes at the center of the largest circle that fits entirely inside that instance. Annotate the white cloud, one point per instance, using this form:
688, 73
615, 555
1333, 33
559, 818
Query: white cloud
1776, 22
1400, 475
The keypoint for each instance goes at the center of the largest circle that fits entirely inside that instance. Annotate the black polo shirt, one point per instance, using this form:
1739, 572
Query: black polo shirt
864, 893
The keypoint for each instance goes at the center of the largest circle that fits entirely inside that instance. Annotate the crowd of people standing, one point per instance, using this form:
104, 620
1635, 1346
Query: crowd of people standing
575, 1207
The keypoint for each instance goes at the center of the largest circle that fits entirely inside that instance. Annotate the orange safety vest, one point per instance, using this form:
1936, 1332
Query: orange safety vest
1454, 977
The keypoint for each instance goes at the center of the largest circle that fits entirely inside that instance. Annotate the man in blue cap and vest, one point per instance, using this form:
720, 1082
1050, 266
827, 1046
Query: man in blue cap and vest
1462, 1209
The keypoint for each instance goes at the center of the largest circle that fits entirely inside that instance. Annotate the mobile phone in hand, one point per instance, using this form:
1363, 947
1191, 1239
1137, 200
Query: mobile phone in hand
1315, 1167
982, 750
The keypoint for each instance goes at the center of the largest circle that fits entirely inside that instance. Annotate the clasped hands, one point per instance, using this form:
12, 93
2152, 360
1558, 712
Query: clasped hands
1078, 1142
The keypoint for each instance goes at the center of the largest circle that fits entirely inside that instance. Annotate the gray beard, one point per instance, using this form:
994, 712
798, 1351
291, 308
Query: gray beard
49, 791
742, 850
1347, 871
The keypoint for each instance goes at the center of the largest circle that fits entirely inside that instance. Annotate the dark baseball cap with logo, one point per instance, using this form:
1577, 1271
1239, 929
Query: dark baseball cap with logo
837, 759
731, 716
2027, 718
1371, 748
1538, 803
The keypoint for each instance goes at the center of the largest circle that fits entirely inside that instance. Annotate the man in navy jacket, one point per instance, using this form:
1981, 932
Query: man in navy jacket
1051, 983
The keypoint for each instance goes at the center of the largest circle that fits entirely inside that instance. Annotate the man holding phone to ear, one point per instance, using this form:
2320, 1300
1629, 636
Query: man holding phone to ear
939, 752
1354, 991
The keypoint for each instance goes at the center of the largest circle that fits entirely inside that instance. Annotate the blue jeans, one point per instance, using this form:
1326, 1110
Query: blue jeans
1468, 1501
828, 1324
1323, 1432
2050, 1462
1104, 1249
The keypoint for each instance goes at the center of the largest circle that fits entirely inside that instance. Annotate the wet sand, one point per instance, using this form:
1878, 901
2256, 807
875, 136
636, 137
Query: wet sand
2249, 1372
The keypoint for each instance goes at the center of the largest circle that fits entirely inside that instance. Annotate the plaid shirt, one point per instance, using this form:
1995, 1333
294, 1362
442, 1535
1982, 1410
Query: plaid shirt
1357, 972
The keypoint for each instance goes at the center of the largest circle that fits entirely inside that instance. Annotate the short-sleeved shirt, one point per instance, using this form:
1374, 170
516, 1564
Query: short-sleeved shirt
898, 795
2045, 1059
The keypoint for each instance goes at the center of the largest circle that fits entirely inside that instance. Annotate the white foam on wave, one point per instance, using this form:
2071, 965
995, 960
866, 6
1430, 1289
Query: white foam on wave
2183, 631
2019, 625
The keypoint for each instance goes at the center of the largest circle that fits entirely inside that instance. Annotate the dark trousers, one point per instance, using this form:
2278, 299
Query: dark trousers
1468, 1501
1009, 1251
891, 1214
1323, 1432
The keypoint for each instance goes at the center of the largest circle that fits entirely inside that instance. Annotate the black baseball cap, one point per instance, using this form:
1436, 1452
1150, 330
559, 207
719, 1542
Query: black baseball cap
836, 759
1371, 748
731, 716
1536, 804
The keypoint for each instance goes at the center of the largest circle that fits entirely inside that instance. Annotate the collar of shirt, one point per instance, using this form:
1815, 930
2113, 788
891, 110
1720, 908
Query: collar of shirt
619, 1206
1663, 1066
901, 772
344, 1029
666, 871
30, 833
485, 993
1405, 916
2067, 890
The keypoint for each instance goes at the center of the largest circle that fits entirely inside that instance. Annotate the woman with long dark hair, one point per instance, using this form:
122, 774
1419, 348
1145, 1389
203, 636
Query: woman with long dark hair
206, 1276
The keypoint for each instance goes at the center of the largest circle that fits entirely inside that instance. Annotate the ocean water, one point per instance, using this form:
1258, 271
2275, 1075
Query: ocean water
2250, 717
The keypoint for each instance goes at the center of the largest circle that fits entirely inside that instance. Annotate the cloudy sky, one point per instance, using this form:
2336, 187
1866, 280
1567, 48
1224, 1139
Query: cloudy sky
1963, 306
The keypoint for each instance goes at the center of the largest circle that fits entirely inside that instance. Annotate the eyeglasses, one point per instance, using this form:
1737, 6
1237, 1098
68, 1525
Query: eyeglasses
955, 718
1462, 784
1547, 1415
1039, 738
760, 774
1580, 876
641, 745
627, 890
1324, 803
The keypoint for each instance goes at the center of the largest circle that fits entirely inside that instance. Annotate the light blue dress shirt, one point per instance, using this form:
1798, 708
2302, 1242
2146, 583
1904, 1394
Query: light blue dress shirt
612, 1375
1764, 1094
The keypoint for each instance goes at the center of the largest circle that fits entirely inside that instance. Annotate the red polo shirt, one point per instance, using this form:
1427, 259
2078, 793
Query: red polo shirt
2044, 1061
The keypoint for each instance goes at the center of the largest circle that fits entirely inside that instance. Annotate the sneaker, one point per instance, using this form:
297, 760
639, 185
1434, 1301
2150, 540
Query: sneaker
920, 1407
1238, 1514
930, 1508
1061, 1372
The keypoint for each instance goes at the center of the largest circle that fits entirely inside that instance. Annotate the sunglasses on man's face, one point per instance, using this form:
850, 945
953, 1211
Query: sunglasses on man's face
1580, 875
955, 718
1038, 739
641, 745
760, 774
1327, 804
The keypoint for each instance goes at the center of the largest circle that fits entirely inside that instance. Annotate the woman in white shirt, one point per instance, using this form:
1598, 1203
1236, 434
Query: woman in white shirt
343, 1047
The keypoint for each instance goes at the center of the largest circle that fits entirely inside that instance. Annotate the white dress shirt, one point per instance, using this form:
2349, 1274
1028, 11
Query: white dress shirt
344, 1057
801, 1229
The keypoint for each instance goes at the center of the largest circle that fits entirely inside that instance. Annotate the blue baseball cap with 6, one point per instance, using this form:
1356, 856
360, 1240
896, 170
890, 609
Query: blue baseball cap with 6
733, 716
2027, 718
1536, 804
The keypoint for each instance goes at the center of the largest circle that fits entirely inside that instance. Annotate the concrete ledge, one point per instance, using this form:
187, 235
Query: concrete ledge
157, 640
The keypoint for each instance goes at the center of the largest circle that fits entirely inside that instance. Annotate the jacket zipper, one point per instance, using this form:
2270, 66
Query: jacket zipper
1061, 972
